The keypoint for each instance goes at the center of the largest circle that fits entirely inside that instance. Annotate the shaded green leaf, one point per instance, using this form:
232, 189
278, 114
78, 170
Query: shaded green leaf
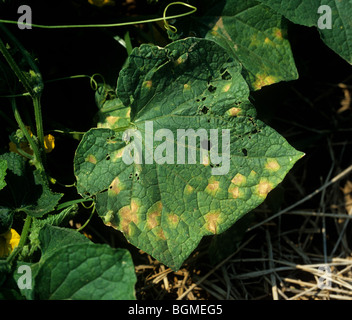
338, 38
82, 270
253, 34
3, 167
26, 190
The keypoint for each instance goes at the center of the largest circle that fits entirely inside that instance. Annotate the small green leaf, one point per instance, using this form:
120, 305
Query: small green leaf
338, 37
165, 209
6, 218
3, 167
33, 195
82, 270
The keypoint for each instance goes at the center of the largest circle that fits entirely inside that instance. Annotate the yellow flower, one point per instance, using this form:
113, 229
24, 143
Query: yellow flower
102, 3
8, 241
49, 144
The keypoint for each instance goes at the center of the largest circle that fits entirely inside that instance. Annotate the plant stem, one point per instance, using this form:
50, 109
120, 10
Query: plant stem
23, 239
37, 156
38, 120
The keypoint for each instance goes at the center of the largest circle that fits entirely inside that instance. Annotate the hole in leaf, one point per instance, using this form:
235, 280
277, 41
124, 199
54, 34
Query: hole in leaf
107, 157
211, 89
204, 110
226, 76
245, 152
206, 145
203, 99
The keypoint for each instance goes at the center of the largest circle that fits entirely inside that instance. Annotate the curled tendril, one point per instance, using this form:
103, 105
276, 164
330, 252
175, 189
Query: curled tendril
94, 83
170, 27
90, 217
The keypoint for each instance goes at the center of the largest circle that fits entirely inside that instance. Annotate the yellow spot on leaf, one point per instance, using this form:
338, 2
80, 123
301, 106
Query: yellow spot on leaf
161, 234
206, 160
186, 86
264, 187
115, 186
272, 165
91, 159
238, 179
212, 220
226, 88
234, 191
263, 80
127, 215
213, 186
173, 219
147, 84
117, 155
111, 120
153, 215
278, 33
188, 189
233, 111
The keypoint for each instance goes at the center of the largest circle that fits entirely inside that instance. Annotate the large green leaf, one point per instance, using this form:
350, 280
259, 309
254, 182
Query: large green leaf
339, 37
166, 208
250, 32
72, 267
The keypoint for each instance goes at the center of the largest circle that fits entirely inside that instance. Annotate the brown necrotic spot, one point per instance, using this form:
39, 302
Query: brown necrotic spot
212, 220
264, 187
115, 186
272, 165
92, 159
127, 215
153, 215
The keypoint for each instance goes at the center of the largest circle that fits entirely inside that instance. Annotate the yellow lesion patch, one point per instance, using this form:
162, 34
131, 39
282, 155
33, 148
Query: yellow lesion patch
263, 188
267, 40
213, 186
147, 84
115, 186
233, 111
272, 165
117, 155
173, 219
186, 86
111, 120
278, 33
188, 189
226, 88
92, 159
263, 80
212, 220
239, 179
127, 215
206, 160
234, 191
153, 215
160, 234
